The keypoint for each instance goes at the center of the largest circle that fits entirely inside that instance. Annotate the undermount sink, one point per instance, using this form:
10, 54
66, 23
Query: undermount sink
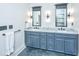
67, 31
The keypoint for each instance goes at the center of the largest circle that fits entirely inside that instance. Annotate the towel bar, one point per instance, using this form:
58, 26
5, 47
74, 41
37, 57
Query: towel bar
17, 31
14, 31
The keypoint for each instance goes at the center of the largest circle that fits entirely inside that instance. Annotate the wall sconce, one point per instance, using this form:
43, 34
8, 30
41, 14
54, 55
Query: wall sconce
70, 16
72, 20
47, 16
29, 15
70, 12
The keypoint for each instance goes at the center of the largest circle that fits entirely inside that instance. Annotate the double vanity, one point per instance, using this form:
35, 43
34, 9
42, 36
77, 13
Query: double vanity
53, 40
59, 40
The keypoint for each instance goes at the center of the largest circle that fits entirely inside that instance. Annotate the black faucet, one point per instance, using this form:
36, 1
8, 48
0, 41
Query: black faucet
61, 28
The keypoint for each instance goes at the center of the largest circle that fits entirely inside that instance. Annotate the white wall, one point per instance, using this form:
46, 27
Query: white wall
13, 14
76, 15
45, 7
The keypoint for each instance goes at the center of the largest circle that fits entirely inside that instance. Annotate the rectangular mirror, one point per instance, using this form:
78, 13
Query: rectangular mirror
61, 15
36, 12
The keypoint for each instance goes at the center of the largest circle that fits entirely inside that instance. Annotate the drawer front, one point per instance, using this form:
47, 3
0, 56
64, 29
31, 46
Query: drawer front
34, 33
27, 32
37, 36
66, 35
50, 34
42, 33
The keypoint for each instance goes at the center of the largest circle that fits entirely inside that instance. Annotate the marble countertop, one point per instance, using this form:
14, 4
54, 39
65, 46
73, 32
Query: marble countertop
53, 31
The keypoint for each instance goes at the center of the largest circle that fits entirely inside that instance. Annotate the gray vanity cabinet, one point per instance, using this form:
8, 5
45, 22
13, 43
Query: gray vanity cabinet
50, 41
34, 39
59, 44
42, 40
27, 39
66, 43
71, 45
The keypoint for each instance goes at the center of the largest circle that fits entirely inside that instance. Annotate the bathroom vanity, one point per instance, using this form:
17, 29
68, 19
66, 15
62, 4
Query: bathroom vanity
59, 41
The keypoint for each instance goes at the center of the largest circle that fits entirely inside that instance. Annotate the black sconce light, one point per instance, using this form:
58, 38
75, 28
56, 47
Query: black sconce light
47, 16
31, 17
69, 15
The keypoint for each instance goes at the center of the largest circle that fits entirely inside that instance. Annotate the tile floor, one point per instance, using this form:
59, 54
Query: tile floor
39, 52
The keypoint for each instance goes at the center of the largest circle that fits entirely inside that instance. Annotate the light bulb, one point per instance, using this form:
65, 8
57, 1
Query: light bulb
71, 19
70, 11
48, 12
29, 13
48, 20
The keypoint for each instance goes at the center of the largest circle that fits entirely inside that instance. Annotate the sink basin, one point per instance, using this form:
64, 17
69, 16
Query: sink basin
67, 31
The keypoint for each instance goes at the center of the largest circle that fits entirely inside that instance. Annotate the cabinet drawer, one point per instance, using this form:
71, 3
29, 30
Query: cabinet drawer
27, 32
50, 34
34, 33
42, 33
66, 35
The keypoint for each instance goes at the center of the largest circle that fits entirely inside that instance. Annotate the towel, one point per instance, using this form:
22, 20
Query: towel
9, 43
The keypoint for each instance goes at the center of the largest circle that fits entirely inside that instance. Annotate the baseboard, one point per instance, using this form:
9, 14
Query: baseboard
18, 51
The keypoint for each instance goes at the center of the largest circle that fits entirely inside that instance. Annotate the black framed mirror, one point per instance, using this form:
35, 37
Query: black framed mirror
61, 15
36, 16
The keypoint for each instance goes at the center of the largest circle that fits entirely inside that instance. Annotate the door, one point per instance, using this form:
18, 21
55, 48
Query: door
59, 44
50, 41
43, 40
71, 46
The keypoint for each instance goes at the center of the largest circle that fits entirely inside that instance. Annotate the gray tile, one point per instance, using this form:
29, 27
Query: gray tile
39, 52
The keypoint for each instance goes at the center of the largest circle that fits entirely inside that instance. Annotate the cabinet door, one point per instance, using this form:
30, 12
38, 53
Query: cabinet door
71, 46
43, 40
34, 41
59, 44
27, 39
50, 41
